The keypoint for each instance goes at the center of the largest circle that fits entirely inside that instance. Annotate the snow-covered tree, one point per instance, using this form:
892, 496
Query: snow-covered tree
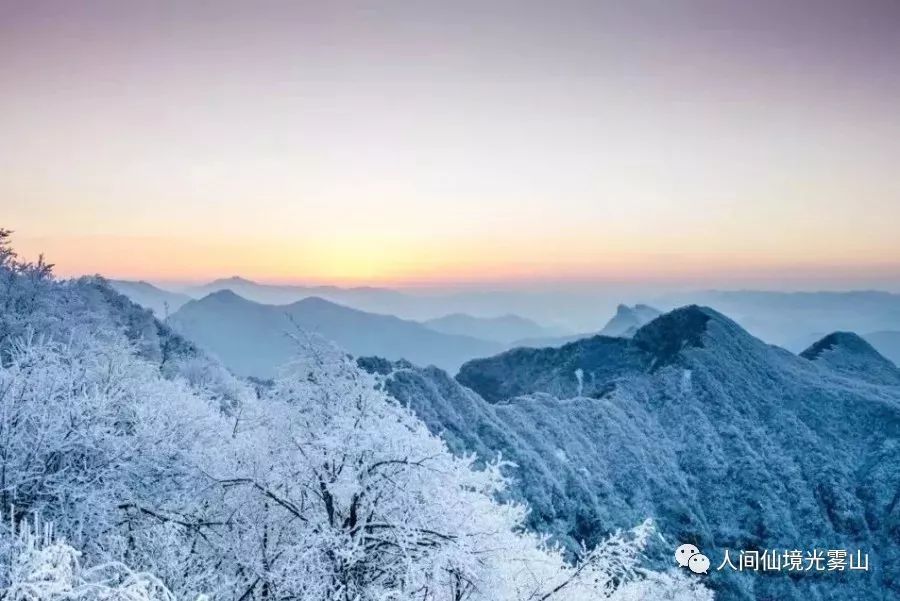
357, 500
42, 567
24, 289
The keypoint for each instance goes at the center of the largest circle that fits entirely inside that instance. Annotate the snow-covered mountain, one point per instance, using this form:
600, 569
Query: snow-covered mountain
727, 442
794, 320
850, 354
254, 339
503, 329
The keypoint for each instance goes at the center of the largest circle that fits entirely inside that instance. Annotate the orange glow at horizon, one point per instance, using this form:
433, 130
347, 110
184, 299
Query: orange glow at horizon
399, 264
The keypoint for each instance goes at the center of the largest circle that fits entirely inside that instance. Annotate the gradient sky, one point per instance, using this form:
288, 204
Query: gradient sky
397, 142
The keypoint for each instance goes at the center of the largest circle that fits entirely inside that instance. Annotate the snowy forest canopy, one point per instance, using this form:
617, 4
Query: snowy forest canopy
132, 466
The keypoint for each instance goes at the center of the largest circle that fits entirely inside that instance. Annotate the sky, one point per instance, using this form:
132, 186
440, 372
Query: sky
426, 143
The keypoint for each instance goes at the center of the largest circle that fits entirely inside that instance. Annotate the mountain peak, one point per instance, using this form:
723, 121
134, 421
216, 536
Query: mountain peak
234, 280
668, 334
317, 302
844, 341
693, 326
224, 295
849, 353
628, 320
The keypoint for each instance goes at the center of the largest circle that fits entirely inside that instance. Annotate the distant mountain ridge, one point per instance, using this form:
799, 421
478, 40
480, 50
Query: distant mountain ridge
789, 319
254, 339
558, 309
285, 294
504, 329
628, 320
624, 324
726, 441
793, 319
160, 302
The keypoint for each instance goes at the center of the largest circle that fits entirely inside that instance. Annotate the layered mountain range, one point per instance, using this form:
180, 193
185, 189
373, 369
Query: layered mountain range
552, 318
254, 339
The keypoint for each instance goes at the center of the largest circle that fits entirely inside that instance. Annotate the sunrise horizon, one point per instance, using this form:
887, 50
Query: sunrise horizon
427, 144
671, 271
